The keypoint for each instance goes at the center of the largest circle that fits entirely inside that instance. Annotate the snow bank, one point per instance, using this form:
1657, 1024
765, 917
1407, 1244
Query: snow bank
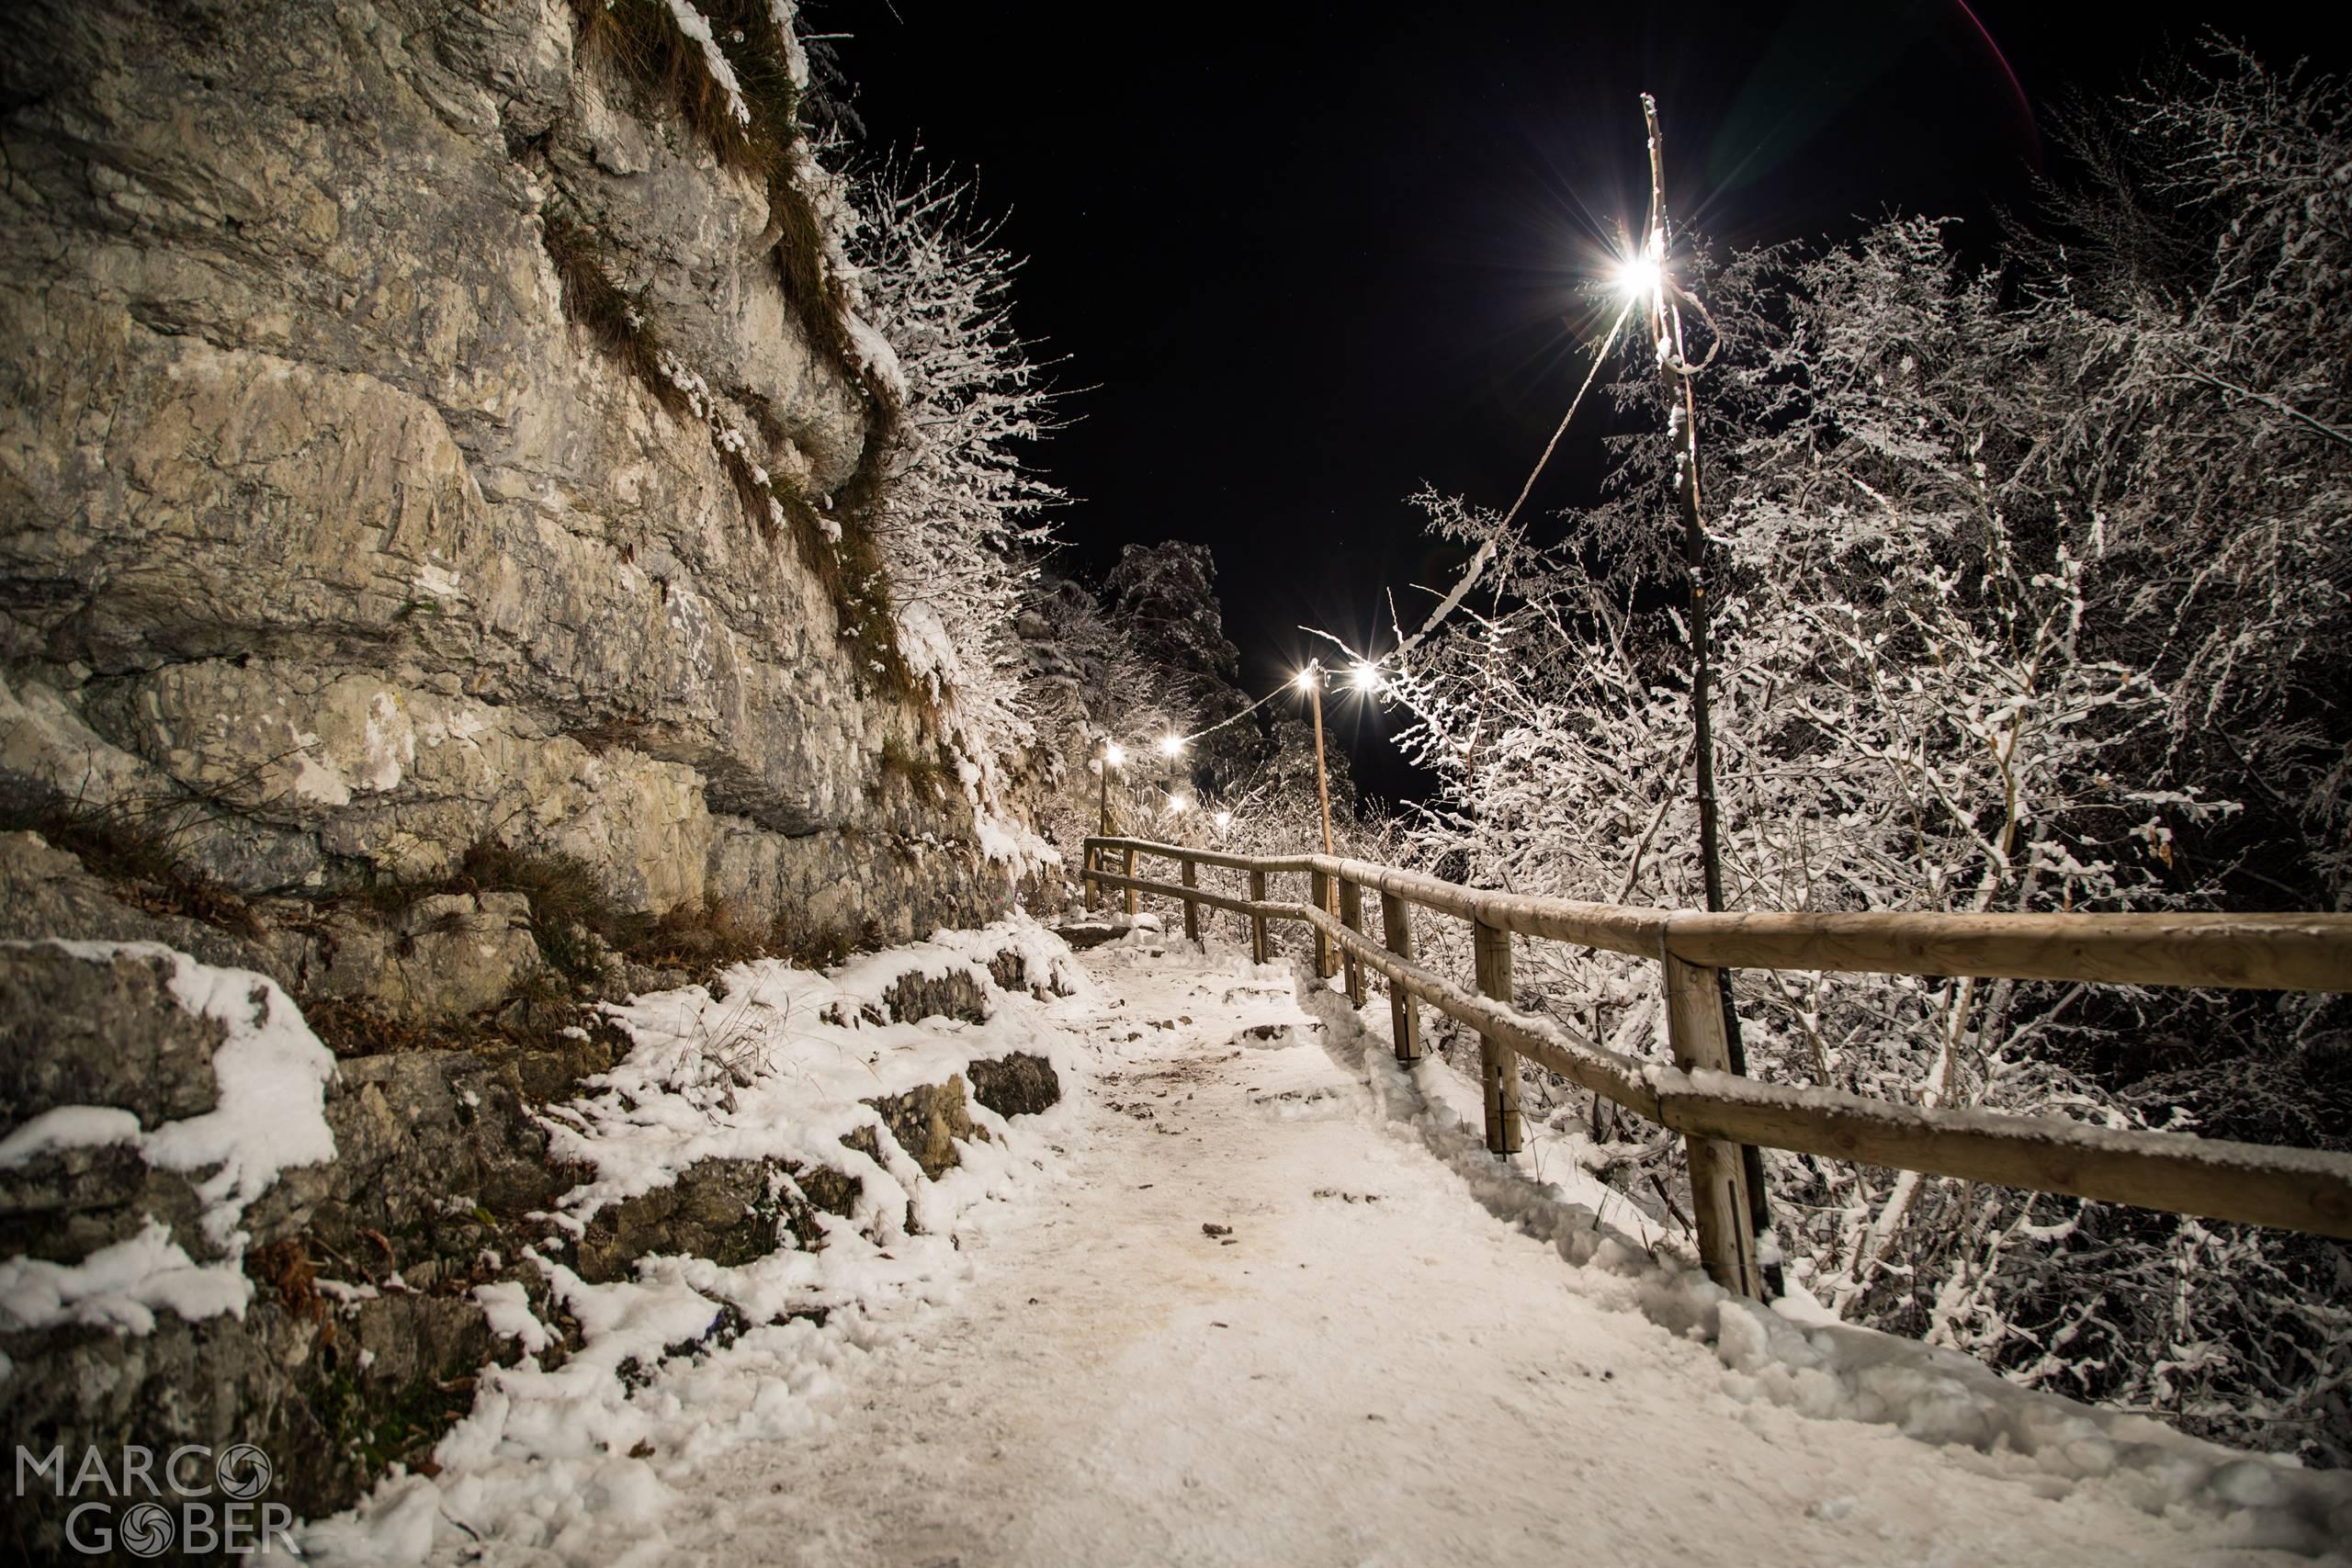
875, 353
697, 27
1010, 840
271, 1074
578, 1463
1789, 1354
121, 1287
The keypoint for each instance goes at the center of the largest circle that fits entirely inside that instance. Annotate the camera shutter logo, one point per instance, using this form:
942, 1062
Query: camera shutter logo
145, 1530
244, 1472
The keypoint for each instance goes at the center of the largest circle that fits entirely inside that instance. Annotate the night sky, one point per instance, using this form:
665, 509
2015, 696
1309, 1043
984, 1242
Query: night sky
1295, 261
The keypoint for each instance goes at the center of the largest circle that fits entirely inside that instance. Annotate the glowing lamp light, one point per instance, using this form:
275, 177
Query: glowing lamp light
1305, 682
1638, 275
1115, 754
1178, 804
1224, 820
1366, 676
1172, 745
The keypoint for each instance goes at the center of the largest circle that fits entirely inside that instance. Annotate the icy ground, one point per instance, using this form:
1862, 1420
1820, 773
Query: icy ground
1257, 1296
1371, 1367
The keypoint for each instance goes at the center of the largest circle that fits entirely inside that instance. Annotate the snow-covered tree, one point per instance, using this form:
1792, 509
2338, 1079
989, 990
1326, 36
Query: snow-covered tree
1164, 599
2190, 330
2021, 589
1090, 688
958, 508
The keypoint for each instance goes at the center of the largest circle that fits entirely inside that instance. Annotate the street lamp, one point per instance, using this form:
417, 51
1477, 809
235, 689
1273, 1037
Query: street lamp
1113, 755
1310, 680
1682, 433
1171, 745
1639, 276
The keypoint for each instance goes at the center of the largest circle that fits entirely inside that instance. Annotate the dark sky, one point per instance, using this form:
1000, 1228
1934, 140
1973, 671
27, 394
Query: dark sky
1299, 259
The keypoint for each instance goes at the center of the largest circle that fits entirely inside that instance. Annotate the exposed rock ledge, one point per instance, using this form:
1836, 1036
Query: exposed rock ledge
340, 1323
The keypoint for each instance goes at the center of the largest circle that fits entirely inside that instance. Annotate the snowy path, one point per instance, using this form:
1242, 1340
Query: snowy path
1371, 1369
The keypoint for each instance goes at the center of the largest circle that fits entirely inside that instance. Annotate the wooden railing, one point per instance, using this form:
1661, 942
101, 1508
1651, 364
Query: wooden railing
1717, 1110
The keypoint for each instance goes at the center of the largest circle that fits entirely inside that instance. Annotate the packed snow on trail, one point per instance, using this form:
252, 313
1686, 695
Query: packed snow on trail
1251, 1292
586, 1458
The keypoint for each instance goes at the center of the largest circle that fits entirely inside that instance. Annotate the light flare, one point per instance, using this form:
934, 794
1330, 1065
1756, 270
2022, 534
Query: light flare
1639, 276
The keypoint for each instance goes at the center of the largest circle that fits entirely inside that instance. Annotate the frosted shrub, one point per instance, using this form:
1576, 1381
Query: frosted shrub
959, 511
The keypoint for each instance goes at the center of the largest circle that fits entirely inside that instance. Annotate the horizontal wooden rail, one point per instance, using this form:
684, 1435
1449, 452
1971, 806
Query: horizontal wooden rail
1610, 926
2257, 1184
1540, 1040
2304, 1190
1269, 910
2277, 953
2284, 952
2298, 1189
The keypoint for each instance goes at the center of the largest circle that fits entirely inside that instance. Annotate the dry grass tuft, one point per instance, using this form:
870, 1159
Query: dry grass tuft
284, 1269
640, 41
610, 314
704, 940
129, 846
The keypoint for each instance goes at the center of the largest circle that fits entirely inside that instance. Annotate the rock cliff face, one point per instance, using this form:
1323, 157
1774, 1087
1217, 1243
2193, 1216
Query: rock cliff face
322, 524
431, 468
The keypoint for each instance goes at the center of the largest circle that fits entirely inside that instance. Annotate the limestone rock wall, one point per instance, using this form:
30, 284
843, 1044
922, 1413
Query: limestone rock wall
359, 1335
321, 523
369, 623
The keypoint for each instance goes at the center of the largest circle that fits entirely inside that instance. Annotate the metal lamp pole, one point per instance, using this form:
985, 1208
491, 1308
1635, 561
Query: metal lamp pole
1105, 829
1312, 679
1111, 757
1683, 423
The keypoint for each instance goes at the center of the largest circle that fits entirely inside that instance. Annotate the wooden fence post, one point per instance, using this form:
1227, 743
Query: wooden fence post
1499, 1064
1404, 1007
1694, 1020
1131, 872
1352, 917
1256, 922
1321, 885
1191, 909
1094, 888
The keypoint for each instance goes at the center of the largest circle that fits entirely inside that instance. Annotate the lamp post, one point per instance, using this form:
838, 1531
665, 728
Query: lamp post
1111, 757
1646, 275
1310, 680
1172, 747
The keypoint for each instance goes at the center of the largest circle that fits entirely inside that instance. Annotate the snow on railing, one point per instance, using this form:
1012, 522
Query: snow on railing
1717, 1110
